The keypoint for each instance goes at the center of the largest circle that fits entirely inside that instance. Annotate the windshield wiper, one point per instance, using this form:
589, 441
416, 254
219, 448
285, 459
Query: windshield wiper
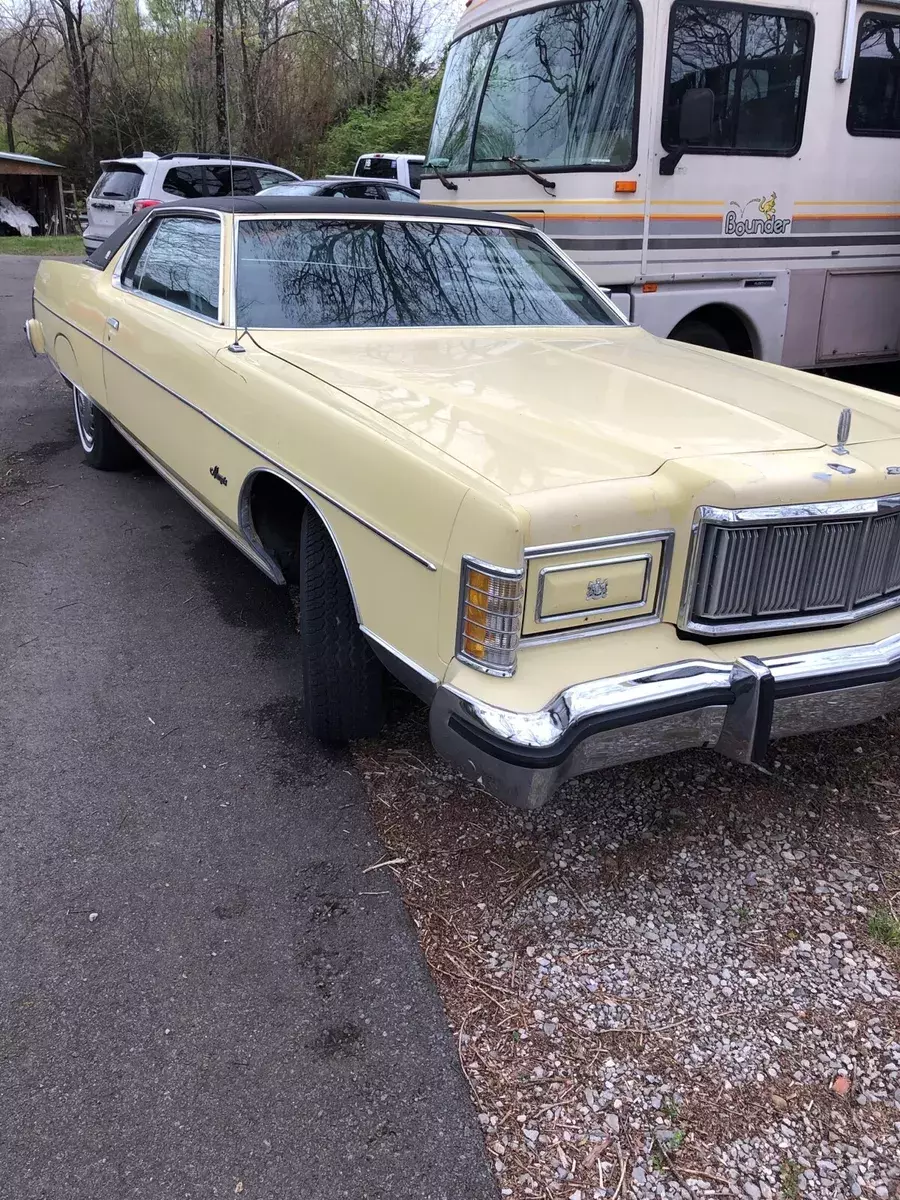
521, 165
448, 183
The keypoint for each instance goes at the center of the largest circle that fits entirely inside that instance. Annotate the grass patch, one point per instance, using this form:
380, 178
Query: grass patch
790, 1179
45, 246
884, 927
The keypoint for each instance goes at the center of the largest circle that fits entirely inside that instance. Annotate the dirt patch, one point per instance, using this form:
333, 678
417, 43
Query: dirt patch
654, 983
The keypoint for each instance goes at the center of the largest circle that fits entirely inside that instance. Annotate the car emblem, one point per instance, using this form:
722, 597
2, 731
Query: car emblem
843, 431
841, 468
597, 589
892, 470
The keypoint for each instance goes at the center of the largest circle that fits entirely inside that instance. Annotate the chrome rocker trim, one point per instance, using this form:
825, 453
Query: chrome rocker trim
735, 708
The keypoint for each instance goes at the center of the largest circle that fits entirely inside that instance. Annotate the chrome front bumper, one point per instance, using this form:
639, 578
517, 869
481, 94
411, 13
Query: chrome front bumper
735, 708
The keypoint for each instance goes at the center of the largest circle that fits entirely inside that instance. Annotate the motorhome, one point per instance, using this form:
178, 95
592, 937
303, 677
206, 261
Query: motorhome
730, 172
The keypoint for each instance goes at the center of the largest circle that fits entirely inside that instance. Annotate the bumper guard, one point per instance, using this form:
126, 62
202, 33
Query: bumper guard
735, 708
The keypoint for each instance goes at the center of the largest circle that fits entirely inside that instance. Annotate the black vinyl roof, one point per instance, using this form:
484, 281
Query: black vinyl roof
336, 206
268, 206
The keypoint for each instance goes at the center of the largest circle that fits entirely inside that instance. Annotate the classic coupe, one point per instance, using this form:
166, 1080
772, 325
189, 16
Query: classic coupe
577, 543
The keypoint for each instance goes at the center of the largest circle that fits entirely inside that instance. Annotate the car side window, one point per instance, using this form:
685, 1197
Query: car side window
753, 64
270, 178
177, 261
874, 109
186, 182
218, 180
358, 191
398, 193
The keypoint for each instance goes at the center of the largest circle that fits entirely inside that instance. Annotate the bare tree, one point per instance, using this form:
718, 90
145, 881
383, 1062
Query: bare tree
25, 51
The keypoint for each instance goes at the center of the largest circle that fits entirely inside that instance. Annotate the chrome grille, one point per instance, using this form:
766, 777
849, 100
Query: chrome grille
818, 569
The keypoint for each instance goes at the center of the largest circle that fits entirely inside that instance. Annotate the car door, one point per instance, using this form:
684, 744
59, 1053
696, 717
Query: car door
162, 336
400, 194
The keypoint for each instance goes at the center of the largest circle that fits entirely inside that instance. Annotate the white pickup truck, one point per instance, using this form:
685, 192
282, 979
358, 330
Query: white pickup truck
405, 168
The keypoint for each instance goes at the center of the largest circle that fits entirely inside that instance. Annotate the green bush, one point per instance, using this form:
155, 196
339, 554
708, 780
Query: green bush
402, 124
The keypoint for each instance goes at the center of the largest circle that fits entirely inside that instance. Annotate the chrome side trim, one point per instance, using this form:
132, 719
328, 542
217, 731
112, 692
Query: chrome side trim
27, 332
265, 564
419, 681
646, 559
296, 479
774, 515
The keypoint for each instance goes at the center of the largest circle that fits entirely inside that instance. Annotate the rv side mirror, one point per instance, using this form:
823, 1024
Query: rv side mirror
695, 116
695, 123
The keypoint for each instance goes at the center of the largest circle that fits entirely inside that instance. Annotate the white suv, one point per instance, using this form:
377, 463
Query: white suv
128, 184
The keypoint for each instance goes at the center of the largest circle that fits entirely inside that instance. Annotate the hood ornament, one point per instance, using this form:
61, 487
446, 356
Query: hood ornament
843, 431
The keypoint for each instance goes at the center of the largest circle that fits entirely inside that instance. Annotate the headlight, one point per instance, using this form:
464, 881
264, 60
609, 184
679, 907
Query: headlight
490, 616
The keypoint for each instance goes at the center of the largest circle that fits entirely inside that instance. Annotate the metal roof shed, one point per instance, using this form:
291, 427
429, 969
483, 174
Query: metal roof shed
35, 185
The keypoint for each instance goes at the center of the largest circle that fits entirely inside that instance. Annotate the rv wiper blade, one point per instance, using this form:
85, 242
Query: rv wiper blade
448, 183
521, 165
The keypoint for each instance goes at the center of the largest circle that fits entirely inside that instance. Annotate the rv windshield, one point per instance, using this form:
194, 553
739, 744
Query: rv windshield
556, 88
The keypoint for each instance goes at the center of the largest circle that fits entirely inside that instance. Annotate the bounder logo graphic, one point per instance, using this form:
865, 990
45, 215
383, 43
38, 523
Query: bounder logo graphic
739, 224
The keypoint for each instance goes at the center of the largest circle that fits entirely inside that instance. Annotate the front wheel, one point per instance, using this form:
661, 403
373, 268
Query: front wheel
343, 681
103, 445
699, 333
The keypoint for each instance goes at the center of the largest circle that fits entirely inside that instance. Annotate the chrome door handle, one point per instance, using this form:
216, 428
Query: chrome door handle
112, 323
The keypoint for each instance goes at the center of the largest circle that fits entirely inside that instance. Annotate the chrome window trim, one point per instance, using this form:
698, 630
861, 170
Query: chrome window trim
666, 540
479, 564
647, 559
206, 214
777, 514
616, 539
289, 475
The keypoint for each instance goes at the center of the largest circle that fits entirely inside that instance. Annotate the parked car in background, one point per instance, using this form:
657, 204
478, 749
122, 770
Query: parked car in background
347, 186
578, 543
405, 168
129, 184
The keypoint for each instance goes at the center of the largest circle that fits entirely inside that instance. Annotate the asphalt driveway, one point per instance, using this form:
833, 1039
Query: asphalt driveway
201, 992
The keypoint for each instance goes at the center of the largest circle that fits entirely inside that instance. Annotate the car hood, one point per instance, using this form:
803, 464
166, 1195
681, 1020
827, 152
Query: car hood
530, 409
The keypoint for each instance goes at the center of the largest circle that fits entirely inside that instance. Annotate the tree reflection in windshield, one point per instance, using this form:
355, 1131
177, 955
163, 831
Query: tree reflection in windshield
308, 274
561, 89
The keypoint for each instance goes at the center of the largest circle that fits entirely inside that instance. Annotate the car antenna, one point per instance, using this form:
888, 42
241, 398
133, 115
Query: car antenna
235, 347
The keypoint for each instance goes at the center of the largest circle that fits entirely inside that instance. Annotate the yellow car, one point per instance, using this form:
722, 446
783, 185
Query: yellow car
579, 544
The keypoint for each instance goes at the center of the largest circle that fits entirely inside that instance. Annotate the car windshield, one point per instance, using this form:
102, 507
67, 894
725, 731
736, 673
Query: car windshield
317, 274
554, 86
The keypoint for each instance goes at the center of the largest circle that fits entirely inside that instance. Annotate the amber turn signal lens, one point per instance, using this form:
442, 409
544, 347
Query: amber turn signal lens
490, 617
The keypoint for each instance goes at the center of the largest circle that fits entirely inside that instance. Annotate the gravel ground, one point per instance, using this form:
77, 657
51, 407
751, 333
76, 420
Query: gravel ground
666, 984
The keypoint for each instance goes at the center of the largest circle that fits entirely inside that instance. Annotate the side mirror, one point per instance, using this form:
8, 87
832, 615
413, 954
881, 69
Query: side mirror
695, 124
695, 116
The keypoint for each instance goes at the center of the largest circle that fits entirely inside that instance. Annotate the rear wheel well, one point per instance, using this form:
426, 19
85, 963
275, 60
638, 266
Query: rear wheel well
725, 321
271, 515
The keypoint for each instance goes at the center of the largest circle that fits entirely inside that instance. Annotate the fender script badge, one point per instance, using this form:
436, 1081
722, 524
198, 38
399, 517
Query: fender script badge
214, 471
